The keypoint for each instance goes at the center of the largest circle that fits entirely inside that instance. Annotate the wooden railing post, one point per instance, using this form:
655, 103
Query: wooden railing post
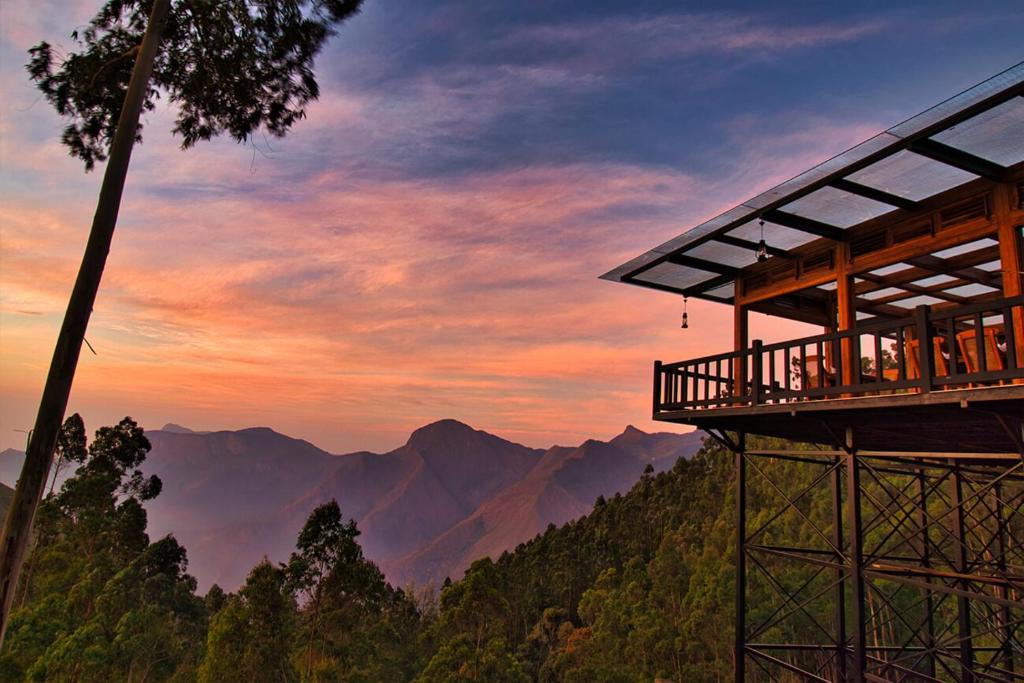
755, 371
925, 348
657, 388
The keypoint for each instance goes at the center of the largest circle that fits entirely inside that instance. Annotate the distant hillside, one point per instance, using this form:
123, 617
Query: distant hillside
6, 494
10, 465
426, 509
563, 486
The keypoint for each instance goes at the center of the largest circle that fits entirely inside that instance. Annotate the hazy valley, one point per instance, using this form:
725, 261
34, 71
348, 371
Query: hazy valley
449, 495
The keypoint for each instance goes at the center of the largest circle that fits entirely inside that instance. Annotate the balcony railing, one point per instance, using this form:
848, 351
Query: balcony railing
931, 350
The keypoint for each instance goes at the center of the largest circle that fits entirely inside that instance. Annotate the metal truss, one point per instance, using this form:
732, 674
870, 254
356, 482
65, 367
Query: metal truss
878, 566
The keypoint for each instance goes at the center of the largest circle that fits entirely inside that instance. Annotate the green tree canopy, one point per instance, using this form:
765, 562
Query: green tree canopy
228, 66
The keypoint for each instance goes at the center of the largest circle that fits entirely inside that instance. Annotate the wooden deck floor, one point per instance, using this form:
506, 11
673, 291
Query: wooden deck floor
962, 421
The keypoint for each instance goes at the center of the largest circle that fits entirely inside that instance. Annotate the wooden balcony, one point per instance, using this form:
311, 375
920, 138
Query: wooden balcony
922, 383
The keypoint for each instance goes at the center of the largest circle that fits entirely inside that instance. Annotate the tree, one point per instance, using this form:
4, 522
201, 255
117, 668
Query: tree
101, 602
326, 544
354, 626
250, 638
234, 66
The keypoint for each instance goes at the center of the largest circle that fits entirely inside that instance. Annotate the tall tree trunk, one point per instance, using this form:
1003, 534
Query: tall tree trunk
39, 453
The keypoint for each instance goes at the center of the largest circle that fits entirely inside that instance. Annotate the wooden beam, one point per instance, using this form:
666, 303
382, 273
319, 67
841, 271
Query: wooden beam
740, 342
653, 285
708, 285
1010, 257
846, 312
804, 224
911, 290
703, 264
962, 266
875, 194
965, 161
808, 310
752, 246
925, 245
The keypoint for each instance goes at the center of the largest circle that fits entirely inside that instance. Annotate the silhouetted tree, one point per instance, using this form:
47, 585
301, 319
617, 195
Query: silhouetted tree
229, 66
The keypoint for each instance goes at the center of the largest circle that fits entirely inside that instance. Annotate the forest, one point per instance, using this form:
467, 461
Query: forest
639, 590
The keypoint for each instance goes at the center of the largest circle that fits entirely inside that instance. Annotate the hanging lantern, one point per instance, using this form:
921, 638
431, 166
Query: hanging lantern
686, 319
762, 246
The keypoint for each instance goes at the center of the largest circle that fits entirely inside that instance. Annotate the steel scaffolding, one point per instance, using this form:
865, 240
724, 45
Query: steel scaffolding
912, 571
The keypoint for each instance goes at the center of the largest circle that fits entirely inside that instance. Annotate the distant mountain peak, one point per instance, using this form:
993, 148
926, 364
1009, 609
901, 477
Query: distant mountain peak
176, 429
441, 431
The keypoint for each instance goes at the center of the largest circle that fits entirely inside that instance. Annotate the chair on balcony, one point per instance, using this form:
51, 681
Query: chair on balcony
818, 374
941, 364
968, 343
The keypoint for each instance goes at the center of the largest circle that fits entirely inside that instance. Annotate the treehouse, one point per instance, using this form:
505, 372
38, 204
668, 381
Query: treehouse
905, 251
903, 396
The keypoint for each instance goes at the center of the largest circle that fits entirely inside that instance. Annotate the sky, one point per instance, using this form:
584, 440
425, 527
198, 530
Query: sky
426, 244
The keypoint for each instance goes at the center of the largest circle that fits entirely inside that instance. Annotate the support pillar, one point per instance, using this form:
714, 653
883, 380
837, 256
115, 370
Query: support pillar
847, 316
1004, 591
929, 604
961, 559
741, 558
855, 562
840, 591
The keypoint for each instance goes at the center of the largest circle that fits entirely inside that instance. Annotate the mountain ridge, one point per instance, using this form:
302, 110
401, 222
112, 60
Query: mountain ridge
426, 509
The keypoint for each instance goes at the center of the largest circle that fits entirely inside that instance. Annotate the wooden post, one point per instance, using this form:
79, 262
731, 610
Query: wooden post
925, 348
656, 407
846, 313
740, 331
1010, 259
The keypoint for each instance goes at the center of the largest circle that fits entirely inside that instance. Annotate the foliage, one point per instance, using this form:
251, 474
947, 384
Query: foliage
250, 638
640, 589
228, 66
354, 626
98, 601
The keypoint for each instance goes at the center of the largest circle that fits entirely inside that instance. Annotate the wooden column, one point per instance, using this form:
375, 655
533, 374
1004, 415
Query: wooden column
1003, 201
847, 315
741, 342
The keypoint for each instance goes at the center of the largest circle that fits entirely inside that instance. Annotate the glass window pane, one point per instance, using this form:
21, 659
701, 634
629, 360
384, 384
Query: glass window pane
889, 270
836, 207
1007, 79
924, 299
966, 248
910, 175
972, 290
935, 280
724, 292
725, 254
671, 275
879, 293
996, 135
774, 234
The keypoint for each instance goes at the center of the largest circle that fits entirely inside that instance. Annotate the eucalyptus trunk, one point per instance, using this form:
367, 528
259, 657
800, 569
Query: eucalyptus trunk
43, 438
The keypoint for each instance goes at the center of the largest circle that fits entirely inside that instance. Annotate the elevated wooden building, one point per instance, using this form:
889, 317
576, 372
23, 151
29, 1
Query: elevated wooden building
906, 253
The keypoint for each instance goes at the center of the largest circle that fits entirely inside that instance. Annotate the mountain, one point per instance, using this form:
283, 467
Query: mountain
563, 486
10, 465
450, 494
6, 494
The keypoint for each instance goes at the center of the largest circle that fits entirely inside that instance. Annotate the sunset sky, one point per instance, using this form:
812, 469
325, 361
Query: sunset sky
427, 243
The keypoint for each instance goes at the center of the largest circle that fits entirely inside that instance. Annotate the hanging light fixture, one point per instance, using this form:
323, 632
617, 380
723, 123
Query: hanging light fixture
686, 319
762, 246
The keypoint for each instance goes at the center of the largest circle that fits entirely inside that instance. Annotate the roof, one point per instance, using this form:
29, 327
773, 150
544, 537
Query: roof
976, 134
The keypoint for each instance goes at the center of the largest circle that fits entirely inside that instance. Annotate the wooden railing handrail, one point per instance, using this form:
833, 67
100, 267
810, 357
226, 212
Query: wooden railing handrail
738, 377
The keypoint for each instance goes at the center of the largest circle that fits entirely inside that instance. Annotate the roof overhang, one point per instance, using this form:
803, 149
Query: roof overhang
978, 134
